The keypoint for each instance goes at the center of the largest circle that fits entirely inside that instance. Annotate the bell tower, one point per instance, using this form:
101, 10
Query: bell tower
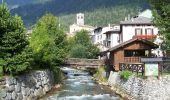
80, 19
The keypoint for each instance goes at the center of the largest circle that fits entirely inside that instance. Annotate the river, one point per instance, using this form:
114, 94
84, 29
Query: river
79, 86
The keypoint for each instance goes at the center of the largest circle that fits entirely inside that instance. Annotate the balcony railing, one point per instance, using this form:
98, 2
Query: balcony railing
145, 36
132, 59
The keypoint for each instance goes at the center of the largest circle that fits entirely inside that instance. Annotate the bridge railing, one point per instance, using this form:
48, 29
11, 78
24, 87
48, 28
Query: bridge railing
84, 62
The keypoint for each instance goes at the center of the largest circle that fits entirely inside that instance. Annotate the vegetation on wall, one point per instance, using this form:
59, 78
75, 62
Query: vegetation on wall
80, 46
100, 74
125, 74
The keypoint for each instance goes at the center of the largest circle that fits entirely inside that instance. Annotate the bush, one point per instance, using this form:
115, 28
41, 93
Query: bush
125, 74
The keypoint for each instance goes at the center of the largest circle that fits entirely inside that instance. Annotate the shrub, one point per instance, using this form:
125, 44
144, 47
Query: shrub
125, 74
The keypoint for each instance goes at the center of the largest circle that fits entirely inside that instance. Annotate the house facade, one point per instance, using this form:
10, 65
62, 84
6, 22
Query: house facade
141, 27
138, 27
130, 51
106, 37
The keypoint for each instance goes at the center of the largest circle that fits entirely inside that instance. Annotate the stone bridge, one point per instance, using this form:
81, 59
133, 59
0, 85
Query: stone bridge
83, 63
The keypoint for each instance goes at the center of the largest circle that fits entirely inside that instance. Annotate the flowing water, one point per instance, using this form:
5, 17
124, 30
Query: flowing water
80, 86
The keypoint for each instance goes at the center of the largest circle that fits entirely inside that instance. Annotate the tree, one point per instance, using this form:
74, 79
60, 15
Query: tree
82, 47
161, 12
48, 42
12, 43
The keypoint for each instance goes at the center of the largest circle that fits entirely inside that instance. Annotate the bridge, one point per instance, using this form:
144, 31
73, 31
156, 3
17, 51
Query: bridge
83, 63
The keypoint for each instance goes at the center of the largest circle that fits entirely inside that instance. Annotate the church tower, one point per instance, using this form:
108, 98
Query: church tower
80, 19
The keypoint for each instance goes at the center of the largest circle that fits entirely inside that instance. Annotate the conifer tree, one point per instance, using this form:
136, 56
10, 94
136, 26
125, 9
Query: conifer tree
12, 42
161, 11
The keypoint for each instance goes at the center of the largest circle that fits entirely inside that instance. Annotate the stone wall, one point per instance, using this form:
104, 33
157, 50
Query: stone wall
142, 89
26, 87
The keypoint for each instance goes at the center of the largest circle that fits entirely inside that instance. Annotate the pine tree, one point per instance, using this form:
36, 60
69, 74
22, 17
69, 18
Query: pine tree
12, 41
161, 10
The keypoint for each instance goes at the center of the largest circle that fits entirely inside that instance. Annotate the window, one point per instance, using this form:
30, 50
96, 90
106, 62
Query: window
134, 53
138, 31
108, 36
97, 37
149, 31
100, 36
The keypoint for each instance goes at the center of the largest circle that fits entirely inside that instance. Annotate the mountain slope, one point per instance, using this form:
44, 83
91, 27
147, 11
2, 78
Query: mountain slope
98, 12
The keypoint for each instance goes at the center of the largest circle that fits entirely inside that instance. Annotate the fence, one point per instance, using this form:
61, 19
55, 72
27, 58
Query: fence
134, 67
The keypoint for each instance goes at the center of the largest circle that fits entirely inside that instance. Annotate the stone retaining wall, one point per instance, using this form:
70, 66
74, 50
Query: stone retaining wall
142, 89
26, 87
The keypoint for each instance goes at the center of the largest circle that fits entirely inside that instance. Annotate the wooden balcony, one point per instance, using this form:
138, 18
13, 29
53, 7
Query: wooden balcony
132, 59
150, 37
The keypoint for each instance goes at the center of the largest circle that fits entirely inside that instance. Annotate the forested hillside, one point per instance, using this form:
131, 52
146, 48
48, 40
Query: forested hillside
97, 12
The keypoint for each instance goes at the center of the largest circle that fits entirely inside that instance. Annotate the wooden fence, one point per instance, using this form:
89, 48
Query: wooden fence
134, 67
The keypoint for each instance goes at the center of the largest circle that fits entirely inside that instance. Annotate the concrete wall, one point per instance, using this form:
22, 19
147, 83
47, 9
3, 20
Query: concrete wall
142, 89
26, 87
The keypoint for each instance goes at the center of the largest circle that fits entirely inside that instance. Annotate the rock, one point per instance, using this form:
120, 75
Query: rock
9, 81
14, 95
23, 84
9, 96
46, 88
18, 87
19, 96
11, 88
27, 87
3, 93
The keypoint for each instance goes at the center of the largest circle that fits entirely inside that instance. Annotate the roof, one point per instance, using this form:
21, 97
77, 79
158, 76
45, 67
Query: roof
152, 45
87, 26
137, 20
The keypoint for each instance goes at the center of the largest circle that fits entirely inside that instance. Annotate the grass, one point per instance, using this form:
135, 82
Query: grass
165, 73
99, 74
125, 74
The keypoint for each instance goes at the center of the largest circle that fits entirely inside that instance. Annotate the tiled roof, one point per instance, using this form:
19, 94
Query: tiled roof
153, 45
137, 20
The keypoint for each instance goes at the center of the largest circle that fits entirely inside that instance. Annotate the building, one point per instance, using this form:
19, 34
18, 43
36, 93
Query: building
130, 51
138, 27
79, 25
106, 37
142, 27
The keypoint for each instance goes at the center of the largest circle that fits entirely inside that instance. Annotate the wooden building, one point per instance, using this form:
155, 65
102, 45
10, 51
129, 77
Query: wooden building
130, 52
